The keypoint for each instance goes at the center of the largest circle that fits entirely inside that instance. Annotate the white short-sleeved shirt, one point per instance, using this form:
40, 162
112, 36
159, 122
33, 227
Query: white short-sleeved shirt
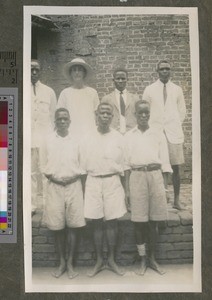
103, 154
144, 148
81, 104
60, 156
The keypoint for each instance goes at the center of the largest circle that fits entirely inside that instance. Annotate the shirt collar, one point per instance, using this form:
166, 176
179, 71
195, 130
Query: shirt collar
123, 92
135, 129
36, 84
67, 137
161, 83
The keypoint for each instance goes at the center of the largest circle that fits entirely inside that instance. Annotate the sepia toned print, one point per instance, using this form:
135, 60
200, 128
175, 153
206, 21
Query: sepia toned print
85, 57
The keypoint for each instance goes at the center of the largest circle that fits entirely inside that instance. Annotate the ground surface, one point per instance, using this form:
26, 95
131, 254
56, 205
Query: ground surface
181, 276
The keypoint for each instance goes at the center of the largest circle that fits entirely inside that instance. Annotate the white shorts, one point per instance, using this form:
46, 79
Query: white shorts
104, 198
64, 206
176, 155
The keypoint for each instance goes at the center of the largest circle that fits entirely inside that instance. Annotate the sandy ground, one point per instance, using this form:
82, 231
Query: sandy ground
176, 278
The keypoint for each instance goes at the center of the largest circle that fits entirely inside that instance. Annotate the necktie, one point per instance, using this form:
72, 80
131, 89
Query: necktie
164, 93
122, 105
34, 90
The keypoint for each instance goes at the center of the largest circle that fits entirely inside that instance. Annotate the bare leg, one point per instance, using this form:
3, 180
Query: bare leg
72, 239
112, 234
98, 243
176, 185
60, 243
141, 239
152, 247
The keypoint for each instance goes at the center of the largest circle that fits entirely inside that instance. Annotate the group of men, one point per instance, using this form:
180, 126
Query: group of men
102, 158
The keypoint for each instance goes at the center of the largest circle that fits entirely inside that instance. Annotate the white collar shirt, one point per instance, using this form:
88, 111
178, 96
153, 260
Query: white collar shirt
43, 106
60, 156
103, 154
168, 116
144, 148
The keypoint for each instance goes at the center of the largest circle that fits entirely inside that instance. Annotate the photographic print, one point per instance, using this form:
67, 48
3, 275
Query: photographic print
111, 156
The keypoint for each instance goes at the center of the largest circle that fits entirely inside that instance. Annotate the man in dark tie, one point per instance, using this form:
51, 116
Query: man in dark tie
168, 112
123, 102
43, 105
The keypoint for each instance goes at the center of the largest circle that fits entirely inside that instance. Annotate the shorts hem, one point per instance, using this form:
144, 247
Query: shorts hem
142, 220
116, 217
76, 226
54, 228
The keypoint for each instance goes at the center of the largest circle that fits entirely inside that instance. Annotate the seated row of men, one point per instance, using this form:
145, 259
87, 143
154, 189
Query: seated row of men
100, 178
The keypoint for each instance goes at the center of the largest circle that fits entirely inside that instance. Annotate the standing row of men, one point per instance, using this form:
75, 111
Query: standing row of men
104, 157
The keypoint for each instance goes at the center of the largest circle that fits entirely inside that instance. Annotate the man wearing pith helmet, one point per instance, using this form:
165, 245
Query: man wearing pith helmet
80, 99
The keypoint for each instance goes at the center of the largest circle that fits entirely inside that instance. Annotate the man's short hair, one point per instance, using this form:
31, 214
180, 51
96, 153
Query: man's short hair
139, 102
120, 69
164, 61
61, 109
104, 104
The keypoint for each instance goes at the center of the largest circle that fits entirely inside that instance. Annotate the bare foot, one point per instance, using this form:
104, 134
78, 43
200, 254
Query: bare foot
179, 206
141, 271
99, 266
113, 267
59, 271
155, 266
71, 273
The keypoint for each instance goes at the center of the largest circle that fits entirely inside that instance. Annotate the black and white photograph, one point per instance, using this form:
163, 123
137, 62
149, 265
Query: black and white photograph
111, 149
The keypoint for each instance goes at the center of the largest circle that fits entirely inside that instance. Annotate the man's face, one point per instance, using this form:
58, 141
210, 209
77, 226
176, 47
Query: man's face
164, 72
35, 72
104, 115
77, 73
62, 121
120, 80
142, 114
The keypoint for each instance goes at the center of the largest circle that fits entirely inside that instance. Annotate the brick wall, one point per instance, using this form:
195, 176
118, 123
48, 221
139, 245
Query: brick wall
137, 42
175, 242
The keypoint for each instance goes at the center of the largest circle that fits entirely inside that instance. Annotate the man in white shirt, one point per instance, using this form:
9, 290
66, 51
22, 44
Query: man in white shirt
168, 110
122, 101
64, 202
146, 157
43, 105
102, 156
80, 99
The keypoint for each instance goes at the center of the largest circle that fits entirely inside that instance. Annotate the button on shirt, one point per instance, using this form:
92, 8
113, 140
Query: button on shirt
168, 116
144, 148
81, 104
103, 154
43, 107
60, 156
122, 118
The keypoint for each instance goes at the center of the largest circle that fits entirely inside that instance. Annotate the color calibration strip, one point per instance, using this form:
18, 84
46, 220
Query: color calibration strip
8, 164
